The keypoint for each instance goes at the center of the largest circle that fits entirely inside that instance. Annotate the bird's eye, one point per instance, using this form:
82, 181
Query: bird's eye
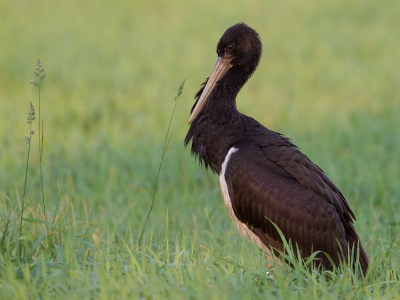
230, 47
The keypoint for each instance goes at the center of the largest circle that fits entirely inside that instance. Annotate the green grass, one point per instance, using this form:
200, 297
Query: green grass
329, 79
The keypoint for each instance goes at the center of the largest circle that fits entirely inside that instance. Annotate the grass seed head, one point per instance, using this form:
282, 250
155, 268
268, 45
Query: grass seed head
31, 114
39, 71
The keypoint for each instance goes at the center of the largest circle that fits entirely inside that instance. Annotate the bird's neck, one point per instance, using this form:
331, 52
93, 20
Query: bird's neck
219, 125
216, 128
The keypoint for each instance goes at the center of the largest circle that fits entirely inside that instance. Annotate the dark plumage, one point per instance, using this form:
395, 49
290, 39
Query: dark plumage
263, 176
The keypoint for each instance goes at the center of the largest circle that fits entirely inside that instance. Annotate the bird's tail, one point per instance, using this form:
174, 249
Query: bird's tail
364, 260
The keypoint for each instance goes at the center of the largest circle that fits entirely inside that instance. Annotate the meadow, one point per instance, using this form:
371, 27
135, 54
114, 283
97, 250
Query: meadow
329, 79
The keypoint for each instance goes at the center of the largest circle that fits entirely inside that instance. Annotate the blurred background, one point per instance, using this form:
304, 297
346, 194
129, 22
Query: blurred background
329, 79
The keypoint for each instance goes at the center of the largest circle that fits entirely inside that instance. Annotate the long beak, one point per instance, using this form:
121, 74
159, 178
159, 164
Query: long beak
221, 67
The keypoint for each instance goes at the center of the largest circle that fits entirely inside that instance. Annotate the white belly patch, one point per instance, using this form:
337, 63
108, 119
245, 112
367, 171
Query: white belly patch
241, 227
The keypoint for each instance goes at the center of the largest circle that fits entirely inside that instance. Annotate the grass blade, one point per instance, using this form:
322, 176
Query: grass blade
168, 137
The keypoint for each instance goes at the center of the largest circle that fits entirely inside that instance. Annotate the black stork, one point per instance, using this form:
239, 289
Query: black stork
263, 176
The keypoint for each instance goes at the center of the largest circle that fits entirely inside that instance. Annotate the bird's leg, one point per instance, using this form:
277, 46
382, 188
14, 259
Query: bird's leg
270, 261
270, 264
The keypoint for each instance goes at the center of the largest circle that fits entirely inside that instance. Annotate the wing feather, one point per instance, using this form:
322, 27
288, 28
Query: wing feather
306, 206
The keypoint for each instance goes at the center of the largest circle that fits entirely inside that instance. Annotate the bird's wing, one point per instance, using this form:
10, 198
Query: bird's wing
312, 178
309, 175
264, 189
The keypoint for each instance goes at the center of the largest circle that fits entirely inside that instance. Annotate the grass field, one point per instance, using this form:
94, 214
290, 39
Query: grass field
329, 79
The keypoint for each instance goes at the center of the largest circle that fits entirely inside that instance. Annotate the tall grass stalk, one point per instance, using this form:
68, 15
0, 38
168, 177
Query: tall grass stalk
168, 137
39, 72
28, 139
